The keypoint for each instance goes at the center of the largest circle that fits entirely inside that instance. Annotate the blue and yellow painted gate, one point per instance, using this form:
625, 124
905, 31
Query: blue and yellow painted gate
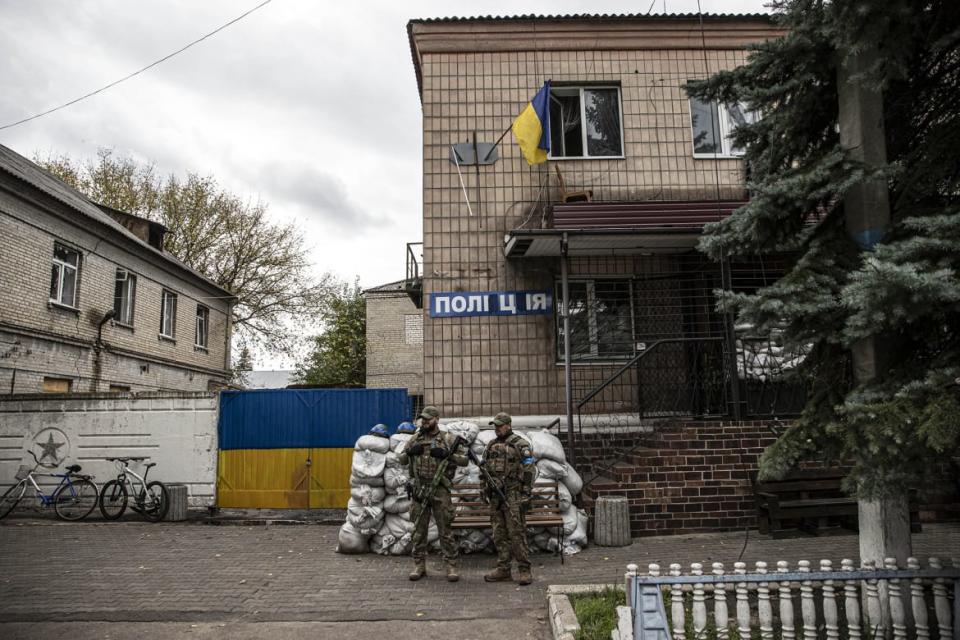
292, 448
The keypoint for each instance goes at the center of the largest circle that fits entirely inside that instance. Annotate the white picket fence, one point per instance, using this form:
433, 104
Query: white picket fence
877, 601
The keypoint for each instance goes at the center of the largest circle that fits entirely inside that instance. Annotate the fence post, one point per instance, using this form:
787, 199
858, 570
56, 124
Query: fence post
764, 608
917, 602
874, 616
786, 604
851, 602
743, 604
808, 608
676, 606
699, 602
829, 603
628, 582
721, 616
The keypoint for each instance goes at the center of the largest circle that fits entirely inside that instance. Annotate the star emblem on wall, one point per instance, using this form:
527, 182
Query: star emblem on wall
50, 448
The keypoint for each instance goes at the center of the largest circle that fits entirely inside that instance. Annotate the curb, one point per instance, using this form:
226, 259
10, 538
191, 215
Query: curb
563, 619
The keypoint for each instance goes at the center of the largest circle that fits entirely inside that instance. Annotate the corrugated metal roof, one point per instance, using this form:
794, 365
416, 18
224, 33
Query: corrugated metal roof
684, 214
601, 16
34, 175
398, 286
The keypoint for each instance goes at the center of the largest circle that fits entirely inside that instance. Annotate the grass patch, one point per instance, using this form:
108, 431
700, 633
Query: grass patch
597, 612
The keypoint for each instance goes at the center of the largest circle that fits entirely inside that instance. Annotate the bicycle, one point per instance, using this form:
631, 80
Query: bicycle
74, 498
151, 501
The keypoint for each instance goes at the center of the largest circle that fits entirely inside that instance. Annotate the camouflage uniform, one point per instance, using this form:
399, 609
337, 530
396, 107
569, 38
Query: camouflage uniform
423, 468
509, 461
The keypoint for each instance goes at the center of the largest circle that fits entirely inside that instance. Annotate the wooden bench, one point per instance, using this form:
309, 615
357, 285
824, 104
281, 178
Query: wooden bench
812, 499
471, 512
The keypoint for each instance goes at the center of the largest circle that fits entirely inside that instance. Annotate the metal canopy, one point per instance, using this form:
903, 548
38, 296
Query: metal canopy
541, 243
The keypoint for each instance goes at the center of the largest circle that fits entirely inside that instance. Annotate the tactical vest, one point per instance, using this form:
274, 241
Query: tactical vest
425, 466
504, 459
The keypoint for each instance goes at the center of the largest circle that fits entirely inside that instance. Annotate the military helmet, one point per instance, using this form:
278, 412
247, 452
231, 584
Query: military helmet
381, 430
406, 427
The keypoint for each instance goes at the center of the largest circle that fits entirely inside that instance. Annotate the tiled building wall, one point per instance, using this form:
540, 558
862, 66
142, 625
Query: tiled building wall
474, 366
394, 343
41, 339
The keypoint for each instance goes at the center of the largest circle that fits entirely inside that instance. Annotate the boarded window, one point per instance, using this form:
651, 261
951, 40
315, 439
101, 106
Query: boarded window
119, 388
57, 385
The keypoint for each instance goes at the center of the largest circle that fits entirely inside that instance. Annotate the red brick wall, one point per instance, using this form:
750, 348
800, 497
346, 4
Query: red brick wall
682, 478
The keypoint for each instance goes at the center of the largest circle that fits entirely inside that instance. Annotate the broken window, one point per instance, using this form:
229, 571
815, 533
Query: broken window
713, 127
585, 122
63, 277
124, 291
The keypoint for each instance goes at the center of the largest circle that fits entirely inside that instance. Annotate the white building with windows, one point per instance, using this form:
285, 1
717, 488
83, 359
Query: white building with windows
91, 302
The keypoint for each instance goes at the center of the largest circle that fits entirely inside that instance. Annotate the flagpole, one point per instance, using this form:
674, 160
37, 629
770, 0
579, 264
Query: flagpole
495, 144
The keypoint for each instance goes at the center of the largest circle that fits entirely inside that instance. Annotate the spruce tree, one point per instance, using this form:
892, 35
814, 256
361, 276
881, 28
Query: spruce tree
901, 429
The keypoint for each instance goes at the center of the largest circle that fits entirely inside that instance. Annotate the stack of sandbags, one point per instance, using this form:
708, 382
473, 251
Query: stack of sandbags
552, 465
365, 509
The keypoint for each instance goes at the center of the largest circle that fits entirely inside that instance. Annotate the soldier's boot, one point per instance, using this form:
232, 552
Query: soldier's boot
523, 575
498, 575
452, 575
419, 570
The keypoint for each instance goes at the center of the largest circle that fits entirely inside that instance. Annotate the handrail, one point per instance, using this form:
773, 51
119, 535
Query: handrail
633, 361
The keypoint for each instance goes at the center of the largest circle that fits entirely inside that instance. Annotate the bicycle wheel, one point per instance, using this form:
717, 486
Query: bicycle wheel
113, 499
76, 500
10, 498
156, 501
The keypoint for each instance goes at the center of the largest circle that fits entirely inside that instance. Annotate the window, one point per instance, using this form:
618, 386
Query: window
601, 320
124, 291
713, 128
168, 314
63, 278
203, 325
57, 385
599, 108
119, 388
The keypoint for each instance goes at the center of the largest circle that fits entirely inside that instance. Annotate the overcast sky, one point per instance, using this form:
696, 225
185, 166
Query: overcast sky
310, 108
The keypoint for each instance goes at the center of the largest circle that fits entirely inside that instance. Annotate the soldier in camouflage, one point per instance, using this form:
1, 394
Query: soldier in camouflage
510, 464
423, 454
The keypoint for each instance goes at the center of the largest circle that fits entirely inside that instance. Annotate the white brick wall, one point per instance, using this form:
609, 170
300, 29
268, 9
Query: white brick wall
394, 342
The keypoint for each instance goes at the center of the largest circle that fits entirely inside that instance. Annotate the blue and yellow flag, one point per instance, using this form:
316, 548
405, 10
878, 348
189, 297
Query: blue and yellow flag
532, 127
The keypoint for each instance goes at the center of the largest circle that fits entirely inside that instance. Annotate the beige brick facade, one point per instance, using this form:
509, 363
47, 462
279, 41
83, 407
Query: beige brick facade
40, 339
394, 340
477, 76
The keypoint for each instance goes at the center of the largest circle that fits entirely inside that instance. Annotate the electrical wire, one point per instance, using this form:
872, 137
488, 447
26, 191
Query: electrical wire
138, 72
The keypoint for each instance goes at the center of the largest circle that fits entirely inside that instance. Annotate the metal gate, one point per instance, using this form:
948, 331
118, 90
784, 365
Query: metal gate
292, 448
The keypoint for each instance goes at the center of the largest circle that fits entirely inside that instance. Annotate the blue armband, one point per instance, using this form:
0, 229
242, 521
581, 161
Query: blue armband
528, 460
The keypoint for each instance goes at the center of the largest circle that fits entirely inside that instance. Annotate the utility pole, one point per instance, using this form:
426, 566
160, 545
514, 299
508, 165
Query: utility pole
884, 523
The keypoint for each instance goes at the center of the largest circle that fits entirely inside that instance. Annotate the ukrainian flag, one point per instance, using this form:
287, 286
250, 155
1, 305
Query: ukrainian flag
532, 127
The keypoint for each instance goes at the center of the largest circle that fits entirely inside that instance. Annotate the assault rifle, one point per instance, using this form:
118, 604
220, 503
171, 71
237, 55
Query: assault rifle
425, 497
491, 483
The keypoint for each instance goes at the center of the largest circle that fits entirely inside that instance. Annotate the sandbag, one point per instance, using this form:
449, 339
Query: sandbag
545, 445
572, 480
466, 430
398, 524
350, 540
392, 460
367, 495
551, 469
469, 474
483, 438
579, 535
403, 546
394, 479
570, 521
565, 498
372, 443
368, 463
397, 504
367, 519
399, 439
376, 481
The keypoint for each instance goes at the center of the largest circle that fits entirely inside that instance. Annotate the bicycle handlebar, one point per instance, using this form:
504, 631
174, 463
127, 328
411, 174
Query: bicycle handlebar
40, 464
125, 460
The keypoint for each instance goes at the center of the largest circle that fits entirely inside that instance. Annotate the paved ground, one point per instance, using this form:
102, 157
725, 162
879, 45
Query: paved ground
193, 580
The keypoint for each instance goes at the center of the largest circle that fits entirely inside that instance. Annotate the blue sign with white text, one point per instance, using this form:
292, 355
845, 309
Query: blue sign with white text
457, 304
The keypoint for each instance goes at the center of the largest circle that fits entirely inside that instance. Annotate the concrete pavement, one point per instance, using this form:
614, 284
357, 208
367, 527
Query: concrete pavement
241, 581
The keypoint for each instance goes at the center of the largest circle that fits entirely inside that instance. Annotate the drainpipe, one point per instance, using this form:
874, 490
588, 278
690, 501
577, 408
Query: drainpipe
98, 347
567, 372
